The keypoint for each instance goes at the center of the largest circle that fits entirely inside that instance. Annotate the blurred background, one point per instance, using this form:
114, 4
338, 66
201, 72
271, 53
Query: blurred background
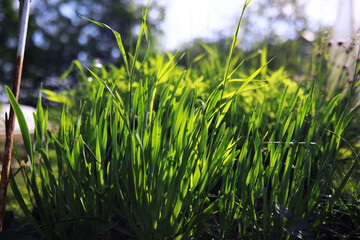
57, 35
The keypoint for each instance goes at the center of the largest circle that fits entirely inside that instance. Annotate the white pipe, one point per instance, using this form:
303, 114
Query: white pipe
23, 27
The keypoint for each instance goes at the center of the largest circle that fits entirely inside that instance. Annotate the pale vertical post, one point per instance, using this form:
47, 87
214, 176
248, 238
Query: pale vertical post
24, 11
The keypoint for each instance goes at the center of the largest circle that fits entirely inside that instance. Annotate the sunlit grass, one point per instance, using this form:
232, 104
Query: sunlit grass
149, 150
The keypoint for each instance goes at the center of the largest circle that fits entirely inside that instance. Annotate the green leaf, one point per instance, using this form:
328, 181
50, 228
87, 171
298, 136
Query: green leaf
22, 123
228, 62
52, 96
118, 39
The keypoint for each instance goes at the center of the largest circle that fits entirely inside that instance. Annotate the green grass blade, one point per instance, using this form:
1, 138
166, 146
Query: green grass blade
137, 49
228, 62
118, 39
22, 123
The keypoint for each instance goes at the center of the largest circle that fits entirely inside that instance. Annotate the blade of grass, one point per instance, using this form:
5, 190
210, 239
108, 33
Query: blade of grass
228, 62
118, 39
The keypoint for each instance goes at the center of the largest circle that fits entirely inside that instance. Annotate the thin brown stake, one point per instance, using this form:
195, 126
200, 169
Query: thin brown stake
10, 123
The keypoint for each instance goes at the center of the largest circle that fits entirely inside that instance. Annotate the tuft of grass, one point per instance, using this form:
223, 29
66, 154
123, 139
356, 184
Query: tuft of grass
147, 157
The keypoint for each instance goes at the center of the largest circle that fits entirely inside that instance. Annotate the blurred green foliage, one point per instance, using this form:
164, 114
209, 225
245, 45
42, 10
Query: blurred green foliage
57, 35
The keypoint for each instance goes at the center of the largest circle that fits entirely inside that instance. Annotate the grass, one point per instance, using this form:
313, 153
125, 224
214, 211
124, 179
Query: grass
155, 152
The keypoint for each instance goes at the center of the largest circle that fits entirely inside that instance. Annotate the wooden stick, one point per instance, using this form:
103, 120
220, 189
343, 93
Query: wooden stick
10, 123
